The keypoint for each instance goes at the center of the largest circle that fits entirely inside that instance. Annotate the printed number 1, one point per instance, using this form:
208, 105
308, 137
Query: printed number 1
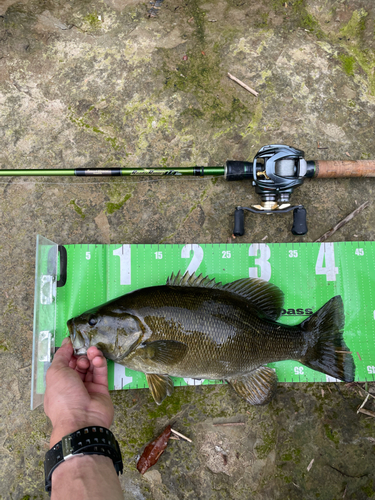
158, 255
125, 264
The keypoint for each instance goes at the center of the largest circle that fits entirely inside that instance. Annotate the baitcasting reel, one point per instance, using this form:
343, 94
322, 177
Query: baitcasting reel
276, 170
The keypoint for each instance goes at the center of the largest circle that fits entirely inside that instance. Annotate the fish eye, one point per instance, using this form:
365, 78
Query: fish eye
93, 320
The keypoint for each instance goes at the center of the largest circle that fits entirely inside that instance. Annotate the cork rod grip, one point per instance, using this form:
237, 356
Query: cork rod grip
333, 169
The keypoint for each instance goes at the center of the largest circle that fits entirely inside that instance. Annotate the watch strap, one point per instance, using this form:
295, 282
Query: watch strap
93, 440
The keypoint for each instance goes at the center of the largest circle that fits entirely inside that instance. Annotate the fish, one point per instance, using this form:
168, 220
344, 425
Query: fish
195, 327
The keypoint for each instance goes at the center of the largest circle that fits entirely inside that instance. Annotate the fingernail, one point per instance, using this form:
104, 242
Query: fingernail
65, 341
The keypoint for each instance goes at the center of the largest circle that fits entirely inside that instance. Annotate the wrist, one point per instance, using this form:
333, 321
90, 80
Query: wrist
87, 441
67, 426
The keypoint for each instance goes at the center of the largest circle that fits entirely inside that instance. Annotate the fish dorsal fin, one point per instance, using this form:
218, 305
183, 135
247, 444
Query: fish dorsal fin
257, 387
192, 280
160, 386
268, 298
265, 296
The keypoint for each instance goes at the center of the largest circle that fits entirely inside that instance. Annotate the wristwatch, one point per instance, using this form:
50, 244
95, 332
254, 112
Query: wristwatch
86, 441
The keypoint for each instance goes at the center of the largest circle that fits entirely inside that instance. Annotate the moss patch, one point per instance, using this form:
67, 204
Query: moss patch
348, 63
332, 434
93, 21
350, 37
77, 208
199, 72
112, 207
269, 442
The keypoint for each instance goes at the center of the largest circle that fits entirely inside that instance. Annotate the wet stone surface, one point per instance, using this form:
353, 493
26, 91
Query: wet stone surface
101, 84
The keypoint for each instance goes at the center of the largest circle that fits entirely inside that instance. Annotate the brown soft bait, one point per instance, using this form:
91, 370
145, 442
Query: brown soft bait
153, 451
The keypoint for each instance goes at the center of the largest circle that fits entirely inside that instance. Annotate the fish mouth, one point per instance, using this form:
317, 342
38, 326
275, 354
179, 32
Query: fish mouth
78, 341
70, 328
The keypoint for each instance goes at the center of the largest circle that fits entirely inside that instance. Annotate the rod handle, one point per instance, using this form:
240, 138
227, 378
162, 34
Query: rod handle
346, 168
239, 222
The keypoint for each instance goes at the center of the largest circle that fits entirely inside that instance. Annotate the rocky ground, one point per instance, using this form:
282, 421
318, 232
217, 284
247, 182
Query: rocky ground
103, 84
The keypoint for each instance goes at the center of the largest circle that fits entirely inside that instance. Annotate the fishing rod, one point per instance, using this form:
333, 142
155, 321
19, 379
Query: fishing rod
276, 171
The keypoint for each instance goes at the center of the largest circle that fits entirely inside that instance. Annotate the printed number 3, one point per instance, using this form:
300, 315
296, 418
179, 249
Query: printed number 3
261, 261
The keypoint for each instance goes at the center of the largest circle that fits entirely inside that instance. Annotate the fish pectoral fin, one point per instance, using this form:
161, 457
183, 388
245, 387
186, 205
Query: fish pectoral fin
160, 386
164, 352
257, 387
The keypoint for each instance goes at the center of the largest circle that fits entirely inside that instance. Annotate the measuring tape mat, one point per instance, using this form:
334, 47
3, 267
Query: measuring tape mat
309, 274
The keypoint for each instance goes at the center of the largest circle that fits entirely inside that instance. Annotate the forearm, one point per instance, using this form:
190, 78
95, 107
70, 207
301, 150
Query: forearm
87, 477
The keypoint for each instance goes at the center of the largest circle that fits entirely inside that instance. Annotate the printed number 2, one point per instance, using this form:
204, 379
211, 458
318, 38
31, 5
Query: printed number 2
325, 263
197, 256
261, 261
125, 264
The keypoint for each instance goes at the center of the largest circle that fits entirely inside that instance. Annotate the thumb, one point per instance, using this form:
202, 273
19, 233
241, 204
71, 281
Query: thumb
63, 355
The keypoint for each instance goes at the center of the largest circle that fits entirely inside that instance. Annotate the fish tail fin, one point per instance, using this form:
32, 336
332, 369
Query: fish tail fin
326, 350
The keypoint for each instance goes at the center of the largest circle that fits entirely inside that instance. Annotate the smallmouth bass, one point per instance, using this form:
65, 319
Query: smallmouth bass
193, 327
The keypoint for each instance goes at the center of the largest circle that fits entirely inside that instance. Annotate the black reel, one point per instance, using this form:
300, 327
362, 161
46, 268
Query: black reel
276, 170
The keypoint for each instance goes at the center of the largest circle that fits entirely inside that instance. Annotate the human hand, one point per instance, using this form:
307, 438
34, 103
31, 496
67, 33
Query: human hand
77, 392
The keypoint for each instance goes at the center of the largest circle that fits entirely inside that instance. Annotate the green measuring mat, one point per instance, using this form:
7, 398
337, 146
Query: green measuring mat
309, 274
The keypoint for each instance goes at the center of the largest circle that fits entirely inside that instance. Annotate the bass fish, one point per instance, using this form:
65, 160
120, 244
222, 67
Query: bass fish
194, 327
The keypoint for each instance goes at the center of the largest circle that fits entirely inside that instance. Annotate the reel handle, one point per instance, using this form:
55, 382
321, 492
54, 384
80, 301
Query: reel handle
299, 227
239, 222
299, 218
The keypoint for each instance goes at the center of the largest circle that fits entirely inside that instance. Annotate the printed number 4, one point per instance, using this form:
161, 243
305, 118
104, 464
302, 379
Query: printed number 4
325, 263
298, 370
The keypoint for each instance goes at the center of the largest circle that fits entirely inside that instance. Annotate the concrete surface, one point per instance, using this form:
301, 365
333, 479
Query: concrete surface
130, 90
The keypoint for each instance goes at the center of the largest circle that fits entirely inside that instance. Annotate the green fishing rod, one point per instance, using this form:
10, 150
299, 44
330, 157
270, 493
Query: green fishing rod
275, 172
97, 172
